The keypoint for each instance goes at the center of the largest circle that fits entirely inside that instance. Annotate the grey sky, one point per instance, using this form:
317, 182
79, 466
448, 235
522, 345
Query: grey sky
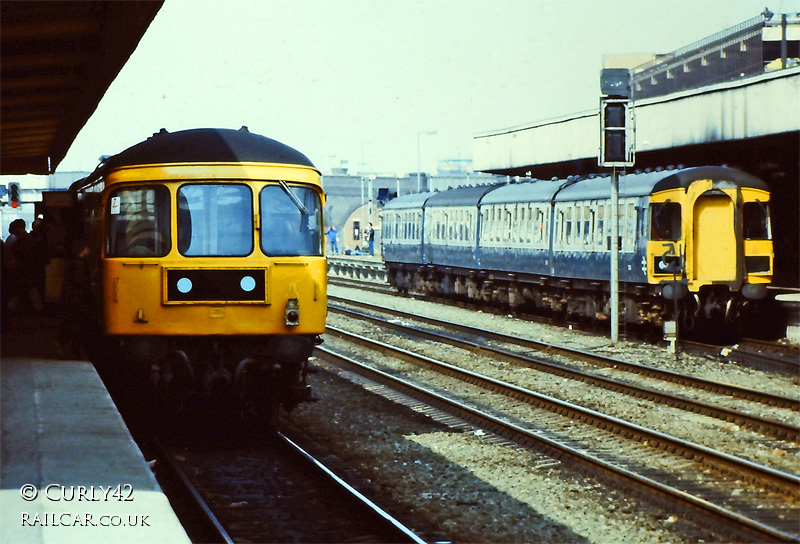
357, 80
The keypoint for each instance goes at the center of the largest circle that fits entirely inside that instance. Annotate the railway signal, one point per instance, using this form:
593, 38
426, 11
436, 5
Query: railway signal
13, 194
615, 143
617, 147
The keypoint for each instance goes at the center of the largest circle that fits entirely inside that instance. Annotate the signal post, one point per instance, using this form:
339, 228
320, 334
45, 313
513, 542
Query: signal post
617, 149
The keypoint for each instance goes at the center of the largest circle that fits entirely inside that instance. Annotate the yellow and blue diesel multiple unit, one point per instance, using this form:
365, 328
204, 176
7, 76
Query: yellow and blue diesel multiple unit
211, 264
695, 245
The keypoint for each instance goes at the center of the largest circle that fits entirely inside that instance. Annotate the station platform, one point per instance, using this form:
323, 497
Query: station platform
69, 469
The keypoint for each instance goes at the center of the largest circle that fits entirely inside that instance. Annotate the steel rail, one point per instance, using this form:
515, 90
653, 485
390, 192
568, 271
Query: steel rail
747, 353
396, 527
557, 449
194, 494
383, 288
389, 524
763, 397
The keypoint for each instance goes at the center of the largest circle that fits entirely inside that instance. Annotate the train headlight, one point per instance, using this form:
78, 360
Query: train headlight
292, 313
184, 285
248, 283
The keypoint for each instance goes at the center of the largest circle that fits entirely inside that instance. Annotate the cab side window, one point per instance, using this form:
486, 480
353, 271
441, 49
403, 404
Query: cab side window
291, 224
138, 222
665, 221
756, 221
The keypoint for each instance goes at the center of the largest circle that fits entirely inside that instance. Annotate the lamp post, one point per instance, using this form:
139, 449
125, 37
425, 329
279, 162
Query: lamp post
419, 156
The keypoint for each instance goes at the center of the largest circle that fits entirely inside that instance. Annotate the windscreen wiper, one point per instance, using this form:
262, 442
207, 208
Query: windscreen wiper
293, 196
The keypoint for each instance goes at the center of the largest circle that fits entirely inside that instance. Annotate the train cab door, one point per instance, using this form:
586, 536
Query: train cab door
715, 245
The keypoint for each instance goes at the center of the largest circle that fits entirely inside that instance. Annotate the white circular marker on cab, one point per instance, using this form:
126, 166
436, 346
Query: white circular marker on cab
248, 283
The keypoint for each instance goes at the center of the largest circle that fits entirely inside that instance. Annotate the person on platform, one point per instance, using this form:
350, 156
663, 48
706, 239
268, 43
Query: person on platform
371, 240
20, 252
332, 241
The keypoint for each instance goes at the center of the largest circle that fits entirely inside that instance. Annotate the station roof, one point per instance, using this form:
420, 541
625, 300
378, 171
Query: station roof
57, 59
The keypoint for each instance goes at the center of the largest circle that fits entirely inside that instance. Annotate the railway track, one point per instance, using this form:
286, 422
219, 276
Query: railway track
476, 341
277, 492
768, 356
699, 478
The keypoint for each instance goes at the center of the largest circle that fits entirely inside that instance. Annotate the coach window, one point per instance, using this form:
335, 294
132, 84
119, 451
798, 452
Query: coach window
601, 235
215, 220
629, 226
756, 221
568, 237
665, 221
290, 221
138, 222
498, 225
531, 226
560, 227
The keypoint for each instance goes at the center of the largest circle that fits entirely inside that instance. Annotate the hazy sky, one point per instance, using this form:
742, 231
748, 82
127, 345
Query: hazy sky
357, 80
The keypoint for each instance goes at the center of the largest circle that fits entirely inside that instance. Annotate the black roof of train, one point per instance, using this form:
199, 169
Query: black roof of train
207, 145
683, 178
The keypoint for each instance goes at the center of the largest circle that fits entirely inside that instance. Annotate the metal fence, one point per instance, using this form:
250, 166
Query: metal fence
730, 54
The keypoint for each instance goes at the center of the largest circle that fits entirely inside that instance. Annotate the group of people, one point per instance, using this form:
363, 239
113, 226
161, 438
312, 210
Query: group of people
333, 242
25, 256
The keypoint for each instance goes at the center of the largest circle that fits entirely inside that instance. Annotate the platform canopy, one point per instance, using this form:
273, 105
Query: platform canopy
57, 59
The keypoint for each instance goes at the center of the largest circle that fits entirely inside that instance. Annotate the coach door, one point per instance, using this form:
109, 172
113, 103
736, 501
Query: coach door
714, 237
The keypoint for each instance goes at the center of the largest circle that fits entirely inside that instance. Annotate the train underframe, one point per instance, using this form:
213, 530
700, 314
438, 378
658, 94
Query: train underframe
714, 313
255, 376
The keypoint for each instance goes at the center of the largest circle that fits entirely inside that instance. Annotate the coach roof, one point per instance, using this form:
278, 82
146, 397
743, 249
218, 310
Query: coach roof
409, 201
462, 196
204, 145
683, 178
